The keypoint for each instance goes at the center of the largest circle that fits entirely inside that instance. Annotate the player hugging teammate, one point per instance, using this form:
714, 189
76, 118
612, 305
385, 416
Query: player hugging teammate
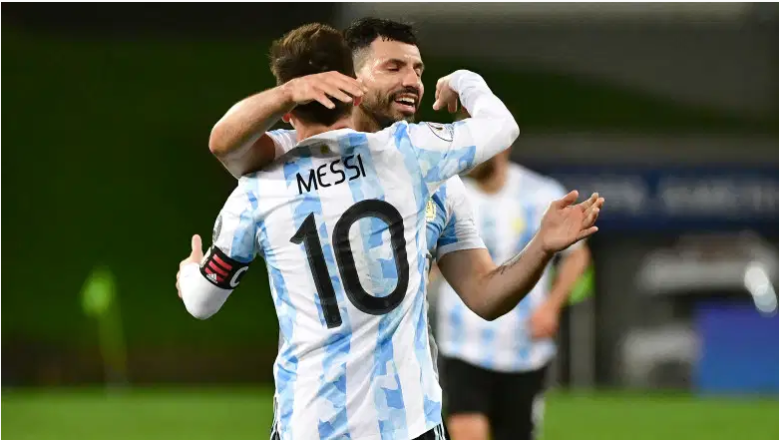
339, 210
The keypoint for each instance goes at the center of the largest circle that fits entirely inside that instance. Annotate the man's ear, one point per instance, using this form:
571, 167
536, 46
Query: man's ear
286, 118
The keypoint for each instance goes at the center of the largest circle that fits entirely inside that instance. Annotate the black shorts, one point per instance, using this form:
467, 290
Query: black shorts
436, 433
511, 401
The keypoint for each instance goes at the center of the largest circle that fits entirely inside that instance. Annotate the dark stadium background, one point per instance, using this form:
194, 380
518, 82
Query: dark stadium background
670, 111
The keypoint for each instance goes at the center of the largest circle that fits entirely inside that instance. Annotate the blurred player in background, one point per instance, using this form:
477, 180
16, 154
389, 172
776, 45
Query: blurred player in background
354, 359
493, 373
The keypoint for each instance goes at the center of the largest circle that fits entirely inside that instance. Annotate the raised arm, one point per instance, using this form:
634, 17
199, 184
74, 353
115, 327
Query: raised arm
445, 150
239, 139
494, 125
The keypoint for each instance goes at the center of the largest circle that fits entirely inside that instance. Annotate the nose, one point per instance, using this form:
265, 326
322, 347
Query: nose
411, 79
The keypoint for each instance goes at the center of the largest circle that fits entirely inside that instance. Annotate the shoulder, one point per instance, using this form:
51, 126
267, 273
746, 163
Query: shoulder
455, 190
283, 136
244, 193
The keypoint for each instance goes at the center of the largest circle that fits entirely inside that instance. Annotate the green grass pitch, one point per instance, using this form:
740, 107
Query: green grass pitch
236, 414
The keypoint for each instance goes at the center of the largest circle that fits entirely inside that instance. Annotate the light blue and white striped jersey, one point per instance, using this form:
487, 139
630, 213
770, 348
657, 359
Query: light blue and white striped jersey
340, 222
506, 222
450, 224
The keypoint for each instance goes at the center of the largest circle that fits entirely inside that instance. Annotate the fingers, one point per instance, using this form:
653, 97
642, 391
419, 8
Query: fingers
362, 85
587, 232
197, 244
335, 91
324, 100
590, 201
325, 87
453, 106
197, 248
445, 100
350, 85
591, 215
178, 276
569, 199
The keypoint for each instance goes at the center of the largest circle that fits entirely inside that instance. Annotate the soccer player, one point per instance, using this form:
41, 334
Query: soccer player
340, 223
493, 373
388, 63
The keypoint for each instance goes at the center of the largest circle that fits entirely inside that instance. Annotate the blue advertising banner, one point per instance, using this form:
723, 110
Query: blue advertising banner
738, 352
644, 198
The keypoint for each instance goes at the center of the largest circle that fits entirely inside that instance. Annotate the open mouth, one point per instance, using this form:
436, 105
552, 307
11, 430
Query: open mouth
406, 103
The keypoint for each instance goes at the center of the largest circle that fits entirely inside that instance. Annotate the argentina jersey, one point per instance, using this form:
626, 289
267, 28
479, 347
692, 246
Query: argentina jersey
340, 221
506, 222
450, 225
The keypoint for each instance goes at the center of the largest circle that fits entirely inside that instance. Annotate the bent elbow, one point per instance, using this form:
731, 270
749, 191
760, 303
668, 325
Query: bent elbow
217, 144
512, 131
483, 310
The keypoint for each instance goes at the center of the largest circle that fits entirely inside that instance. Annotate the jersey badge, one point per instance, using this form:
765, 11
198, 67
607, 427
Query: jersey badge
430, 211
441, 131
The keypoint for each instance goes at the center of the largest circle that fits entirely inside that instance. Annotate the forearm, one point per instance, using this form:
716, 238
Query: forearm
488, 113
243, 125
201, 298
505, 286
569, 271
492, 291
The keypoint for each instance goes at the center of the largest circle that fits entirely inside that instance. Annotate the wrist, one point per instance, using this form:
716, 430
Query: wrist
459, 78
541, 247
287, 97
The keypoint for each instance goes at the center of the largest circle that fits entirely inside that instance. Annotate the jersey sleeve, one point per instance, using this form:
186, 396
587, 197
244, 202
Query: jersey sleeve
445, 150
460, 231
205, 287
234, 241
283, 140
235, 230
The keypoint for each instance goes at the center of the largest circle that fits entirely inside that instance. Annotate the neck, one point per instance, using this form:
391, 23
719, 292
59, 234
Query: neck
306, 130
365, 122
493, 182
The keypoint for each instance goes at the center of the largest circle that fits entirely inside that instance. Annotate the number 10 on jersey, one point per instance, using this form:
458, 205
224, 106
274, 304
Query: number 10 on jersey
308, 236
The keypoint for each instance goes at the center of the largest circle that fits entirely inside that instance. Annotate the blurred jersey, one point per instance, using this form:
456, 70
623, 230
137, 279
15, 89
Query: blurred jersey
506, 221
340, 221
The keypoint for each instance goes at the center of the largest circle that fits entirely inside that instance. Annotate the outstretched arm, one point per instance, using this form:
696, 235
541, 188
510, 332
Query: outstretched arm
491, 291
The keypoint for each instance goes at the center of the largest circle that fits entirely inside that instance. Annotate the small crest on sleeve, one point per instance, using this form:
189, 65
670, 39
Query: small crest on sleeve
445, 132
430, 211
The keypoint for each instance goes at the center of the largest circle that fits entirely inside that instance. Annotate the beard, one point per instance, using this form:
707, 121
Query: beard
379, 108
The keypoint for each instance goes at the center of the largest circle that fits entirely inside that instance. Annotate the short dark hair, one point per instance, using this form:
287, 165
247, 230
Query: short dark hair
361, 33
311, 49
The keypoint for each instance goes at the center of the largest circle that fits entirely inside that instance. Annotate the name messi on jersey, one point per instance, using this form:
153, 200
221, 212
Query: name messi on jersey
333, 173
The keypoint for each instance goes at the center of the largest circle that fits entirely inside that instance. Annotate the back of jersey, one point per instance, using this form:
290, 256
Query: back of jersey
341, 227
340, 221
